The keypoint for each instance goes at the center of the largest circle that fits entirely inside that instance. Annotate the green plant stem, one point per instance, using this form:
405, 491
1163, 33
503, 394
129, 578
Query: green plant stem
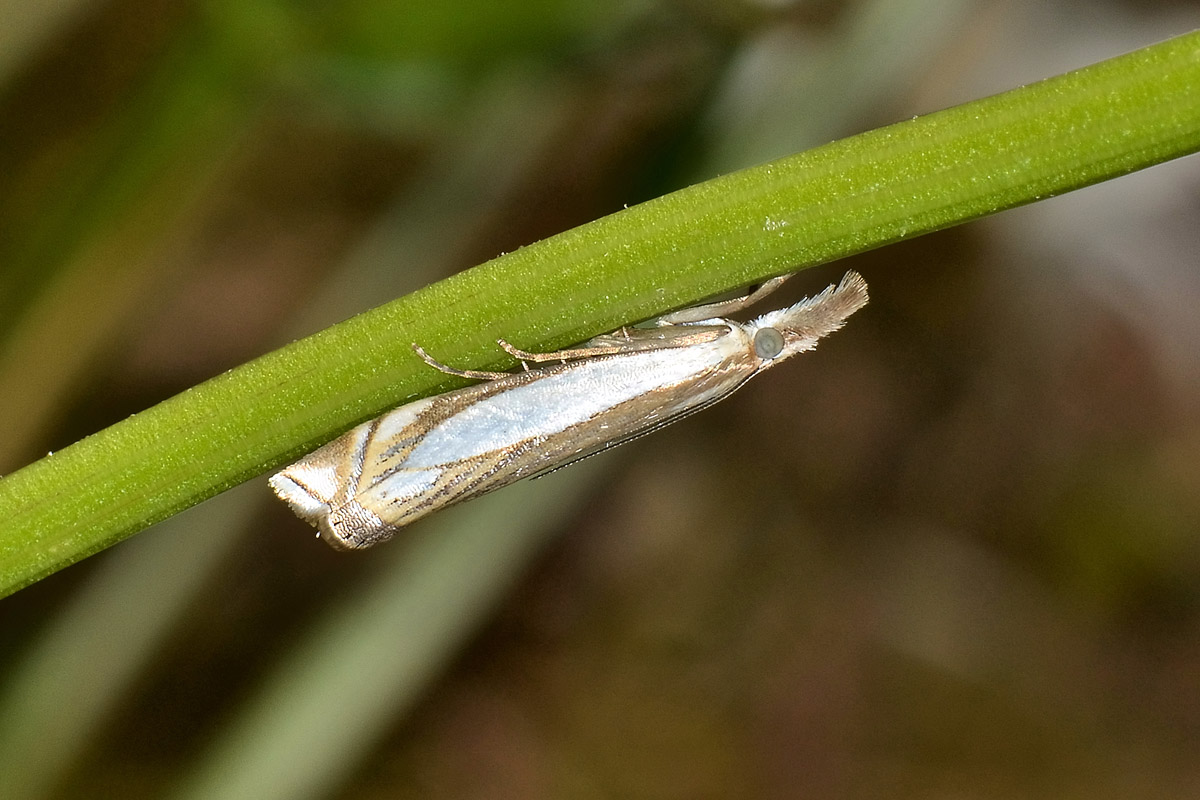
848, 196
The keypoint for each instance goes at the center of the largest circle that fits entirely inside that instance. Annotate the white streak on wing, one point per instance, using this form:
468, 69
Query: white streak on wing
551, 404
393, 423
306, 503
309, 484
401, 486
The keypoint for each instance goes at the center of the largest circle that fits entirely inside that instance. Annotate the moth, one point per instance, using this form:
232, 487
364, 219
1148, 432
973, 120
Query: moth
363, 487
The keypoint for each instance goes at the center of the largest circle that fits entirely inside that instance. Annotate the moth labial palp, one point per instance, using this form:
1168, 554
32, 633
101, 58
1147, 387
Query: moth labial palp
361, 488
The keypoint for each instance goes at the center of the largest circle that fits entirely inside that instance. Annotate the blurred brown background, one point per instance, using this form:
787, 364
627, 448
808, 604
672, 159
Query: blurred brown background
952, 553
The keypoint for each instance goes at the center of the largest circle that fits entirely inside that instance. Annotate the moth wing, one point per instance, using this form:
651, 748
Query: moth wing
401, 482
635, 423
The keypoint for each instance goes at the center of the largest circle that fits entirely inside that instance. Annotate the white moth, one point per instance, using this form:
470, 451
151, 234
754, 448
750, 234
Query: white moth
362, 487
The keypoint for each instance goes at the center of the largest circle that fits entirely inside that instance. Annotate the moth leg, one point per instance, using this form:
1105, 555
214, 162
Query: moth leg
719, 309
476, 374
559, 355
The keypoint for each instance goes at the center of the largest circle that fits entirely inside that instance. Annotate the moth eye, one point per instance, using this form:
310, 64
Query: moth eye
768, 342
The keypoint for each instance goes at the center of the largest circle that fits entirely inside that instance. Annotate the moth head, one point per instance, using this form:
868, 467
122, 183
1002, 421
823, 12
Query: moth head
797, 329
